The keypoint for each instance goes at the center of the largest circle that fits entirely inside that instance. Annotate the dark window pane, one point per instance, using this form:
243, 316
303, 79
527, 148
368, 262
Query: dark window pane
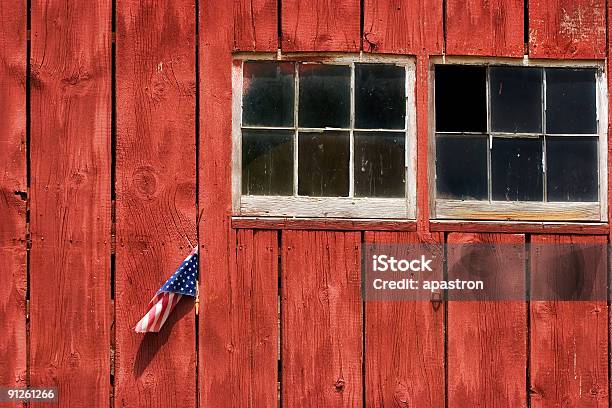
570, 101
461, 167
516, 169
268, 94
325, 99
323, 164
379, 164
267, 162
380, 96
461, 98
516, 99
572, 168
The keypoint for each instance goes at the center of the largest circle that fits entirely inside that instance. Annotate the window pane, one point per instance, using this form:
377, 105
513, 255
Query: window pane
461, 98
325, 99
379, 164
571, 168
267, 162
268, 94
570, 101
323, 164
516, 169
516, 99
380, 96
461, 167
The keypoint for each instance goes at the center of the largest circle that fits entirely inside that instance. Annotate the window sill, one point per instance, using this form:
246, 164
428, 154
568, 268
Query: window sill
324, 207
519, 227
519, 211
330, 224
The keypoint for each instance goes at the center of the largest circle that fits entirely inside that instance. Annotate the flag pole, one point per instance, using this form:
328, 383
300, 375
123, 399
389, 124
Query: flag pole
197, 299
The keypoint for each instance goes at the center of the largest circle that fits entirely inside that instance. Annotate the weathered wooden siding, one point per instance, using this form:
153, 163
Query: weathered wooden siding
155, 196
13, 192
396, 332
70, 218
269, 290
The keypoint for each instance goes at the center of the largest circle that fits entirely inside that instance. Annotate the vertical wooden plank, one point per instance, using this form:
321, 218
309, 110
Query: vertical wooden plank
155, 202
569, 343
424, 124
255, 25
320, 25
70, 204
567, 29
487, 340
485, 27
403, 26
13, 192
255, 306
404, 344
217, 239
321, 319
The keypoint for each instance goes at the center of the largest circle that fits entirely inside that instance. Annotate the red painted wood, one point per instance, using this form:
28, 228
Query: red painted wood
255, 308
217, 381
487, 340
423, 126
520, 227
255, 25
569, 344
567, 29
13, 190
321, 319
332, 224
70, 307
404, 345
485, 27
320, 25
403, 26
155, 202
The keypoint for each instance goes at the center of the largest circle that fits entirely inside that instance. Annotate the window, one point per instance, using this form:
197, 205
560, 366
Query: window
519, 142
324, 139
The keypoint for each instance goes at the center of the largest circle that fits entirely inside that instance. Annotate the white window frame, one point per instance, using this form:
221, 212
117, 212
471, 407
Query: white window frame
325, 207
489, 210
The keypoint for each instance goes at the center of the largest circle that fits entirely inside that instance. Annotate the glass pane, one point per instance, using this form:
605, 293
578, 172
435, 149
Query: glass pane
380, 96
379, 164
323, 164
516, 99
268, 89
516, 169
325, 95
570, 101
461, 167
572, 165
267, 162
461, 104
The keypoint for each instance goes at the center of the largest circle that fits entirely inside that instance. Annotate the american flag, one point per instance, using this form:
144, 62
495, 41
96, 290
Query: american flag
184, 282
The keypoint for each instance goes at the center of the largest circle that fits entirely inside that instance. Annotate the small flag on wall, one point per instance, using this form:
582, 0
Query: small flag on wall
184, 282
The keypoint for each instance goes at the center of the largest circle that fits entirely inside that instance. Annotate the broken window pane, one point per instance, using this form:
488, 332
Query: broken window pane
379, 164
516, 169
461, 167
323, 164
461, 104
572, 165
380, 96
267, 162
325, 99
570, 101
268, 89
516, 99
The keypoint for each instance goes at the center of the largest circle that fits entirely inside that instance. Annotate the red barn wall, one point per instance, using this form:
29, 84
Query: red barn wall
116, 134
